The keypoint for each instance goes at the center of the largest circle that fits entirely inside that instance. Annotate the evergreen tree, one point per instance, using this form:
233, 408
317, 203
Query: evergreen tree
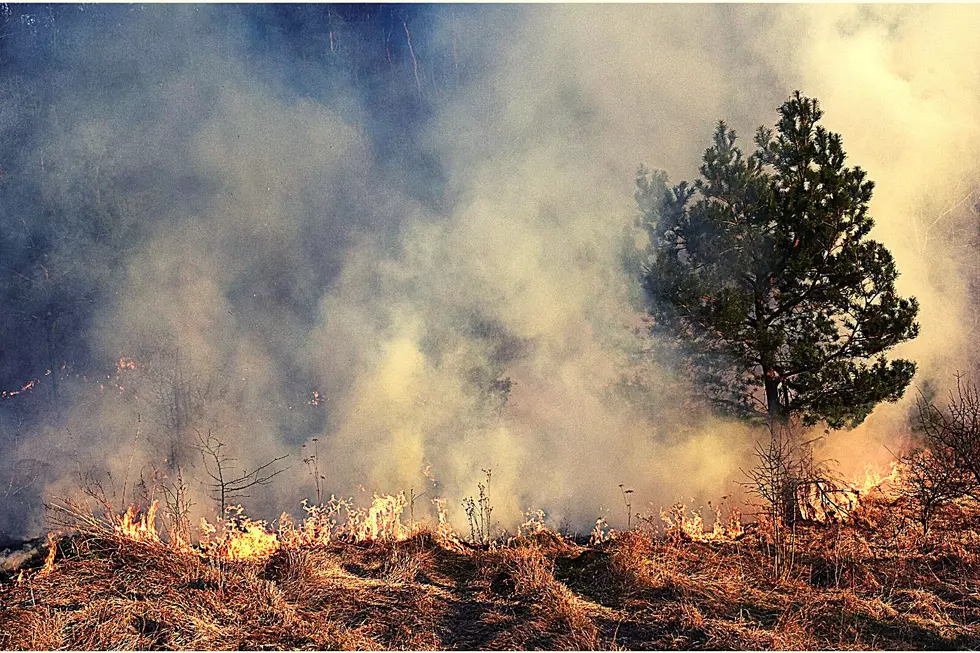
762, 270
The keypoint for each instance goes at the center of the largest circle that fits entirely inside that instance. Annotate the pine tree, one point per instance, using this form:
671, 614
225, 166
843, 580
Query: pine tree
763, 272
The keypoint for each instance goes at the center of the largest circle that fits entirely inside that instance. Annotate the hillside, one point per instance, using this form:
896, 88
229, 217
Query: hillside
873, 583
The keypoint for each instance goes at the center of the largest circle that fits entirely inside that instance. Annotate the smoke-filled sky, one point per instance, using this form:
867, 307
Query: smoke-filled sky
409, 211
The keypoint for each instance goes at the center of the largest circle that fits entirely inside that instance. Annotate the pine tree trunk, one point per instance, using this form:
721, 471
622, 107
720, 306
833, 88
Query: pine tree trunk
777, 412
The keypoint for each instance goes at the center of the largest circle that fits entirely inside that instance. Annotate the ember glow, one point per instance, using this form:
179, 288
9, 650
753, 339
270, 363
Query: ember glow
13, 393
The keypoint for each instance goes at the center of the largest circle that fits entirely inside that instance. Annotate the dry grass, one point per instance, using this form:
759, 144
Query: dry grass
875, 584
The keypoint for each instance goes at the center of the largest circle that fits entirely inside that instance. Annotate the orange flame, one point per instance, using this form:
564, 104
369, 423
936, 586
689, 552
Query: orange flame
251, 542
823, 502
140, 528
49, 561
247, 539
445, 536
13, 393
875, 479
382, 522
533, 523
601, 532
241, 538
317, 529
679, 523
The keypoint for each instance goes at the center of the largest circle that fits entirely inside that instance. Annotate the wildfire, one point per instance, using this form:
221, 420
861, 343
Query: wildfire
823, 502
445, 535
179, 539
601, 532
533, 523
52, 550
13, 393
382, 521
252, 541
141, 528
875, 479
317, 529
679, 523
241, 538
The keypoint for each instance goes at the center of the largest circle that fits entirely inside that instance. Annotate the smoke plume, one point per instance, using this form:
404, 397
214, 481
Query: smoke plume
298, 227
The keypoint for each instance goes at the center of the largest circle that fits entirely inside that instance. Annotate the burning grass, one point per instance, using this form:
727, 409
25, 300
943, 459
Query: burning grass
330, 582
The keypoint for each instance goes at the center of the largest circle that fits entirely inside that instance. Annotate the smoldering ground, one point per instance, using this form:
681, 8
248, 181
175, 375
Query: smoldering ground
253, 205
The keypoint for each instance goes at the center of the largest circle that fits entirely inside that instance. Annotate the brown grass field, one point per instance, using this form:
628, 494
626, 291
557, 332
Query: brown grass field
874, 582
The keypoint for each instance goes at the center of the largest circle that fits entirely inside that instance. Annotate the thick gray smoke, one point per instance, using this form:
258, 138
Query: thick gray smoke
278, 248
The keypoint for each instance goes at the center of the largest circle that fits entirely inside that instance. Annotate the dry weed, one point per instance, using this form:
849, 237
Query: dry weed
853, 586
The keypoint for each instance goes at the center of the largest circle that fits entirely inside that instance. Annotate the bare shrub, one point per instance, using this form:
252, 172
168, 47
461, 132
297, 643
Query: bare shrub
177, 505
929, 483
784, 478
952, 433
225, 484
478, 512
313, 463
